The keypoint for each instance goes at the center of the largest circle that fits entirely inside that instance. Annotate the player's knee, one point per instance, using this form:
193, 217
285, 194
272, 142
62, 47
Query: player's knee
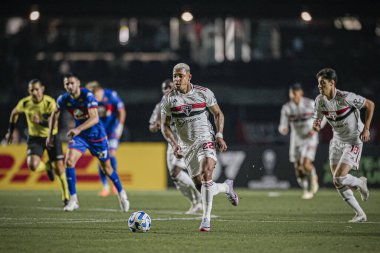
70, 163
338, 181
33, 165
308, 165
175, 172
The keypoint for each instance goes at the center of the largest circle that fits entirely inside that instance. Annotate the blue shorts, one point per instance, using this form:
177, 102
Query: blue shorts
97, 148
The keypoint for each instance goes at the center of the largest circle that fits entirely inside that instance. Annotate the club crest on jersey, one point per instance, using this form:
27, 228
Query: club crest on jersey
186, 109
332, 115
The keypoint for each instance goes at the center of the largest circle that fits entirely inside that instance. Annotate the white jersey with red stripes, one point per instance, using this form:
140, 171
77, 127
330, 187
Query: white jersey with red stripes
342, 113
189, 113
300, 119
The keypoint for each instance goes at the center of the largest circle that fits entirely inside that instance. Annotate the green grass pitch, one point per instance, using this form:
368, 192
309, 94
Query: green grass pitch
33, 221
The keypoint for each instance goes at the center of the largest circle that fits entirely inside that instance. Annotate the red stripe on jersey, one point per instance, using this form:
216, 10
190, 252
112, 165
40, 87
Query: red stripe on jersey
342, 95
340, 112
193, 106
199, 87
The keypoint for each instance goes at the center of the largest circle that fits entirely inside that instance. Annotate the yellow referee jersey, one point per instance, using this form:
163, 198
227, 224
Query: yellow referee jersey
40, 111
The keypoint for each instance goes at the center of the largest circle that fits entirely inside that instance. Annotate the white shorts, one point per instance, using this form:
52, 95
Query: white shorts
195, 153
342, 152
173, 161
303, 149
113, 143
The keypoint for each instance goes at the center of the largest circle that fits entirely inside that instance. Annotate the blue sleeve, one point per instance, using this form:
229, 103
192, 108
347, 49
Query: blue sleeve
91, 101
60, 103
116, 100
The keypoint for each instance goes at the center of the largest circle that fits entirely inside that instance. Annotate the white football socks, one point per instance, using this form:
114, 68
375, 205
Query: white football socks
349, 180
349, 197
209, 189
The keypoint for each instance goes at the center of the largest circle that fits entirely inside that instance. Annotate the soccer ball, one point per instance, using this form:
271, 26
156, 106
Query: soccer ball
139, 222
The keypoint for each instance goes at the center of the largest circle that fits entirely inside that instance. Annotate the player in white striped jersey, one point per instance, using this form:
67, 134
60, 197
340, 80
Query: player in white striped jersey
187, 106
341, 109
298, 114
181, 179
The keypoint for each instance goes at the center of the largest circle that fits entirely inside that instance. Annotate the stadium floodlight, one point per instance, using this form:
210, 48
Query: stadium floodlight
34, 15
306, 16
187, 16
124, 32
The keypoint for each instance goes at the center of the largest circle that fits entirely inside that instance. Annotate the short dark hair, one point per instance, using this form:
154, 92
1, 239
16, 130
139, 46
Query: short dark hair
296, 86
34, 80
71, 74
167, 83
328, 73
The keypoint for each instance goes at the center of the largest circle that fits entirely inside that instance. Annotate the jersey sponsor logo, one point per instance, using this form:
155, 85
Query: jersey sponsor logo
181, 122
358, 102
79, 114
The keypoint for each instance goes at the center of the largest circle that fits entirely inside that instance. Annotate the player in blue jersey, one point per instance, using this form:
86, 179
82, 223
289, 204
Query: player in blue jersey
112, 114
88, 134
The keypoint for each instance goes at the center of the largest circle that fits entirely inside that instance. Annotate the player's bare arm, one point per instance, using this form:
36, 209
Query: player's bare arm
121, 115
219, 123
93, 118
154, 127
370, 108
53, 122
12, 123
169, 136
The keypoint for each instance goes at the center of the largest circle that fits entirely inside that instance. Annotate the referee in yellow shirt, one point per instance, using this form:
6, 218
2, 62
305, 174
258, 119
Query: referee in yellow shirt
37, 108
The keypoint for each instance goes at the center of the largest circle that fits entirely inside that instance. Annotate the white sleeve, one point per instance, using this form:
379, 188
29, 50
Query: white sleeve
210, 98
165, 106
355, 100
284, 122
318, 109
156, 114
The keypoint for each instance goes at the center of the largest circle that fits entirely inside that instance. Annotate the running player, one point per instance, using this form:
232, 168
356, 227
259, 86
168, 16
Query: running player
112, 114
341, 109
88, 134
37, 108
298, 113
176, 166
187, 107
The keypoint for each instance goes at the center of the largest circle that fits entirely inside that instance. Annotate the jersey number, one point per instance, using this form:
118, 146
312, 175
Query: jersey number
102, 154
355, 149
208, 145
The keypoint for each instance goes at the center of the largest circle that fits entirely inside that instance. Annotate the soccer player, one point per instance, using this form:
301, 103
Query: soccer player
176, 166
187, 106
112, 114
298, 113
341, 109
37, 108
88, 133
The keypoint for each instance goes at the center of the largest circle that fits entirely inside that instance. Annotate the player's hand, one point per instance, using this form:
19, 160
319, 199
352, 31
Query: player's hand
177, 150
283, 130
49, 142
317, 125
9, 138
119, 130
221, 144
73, 132
365, 135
